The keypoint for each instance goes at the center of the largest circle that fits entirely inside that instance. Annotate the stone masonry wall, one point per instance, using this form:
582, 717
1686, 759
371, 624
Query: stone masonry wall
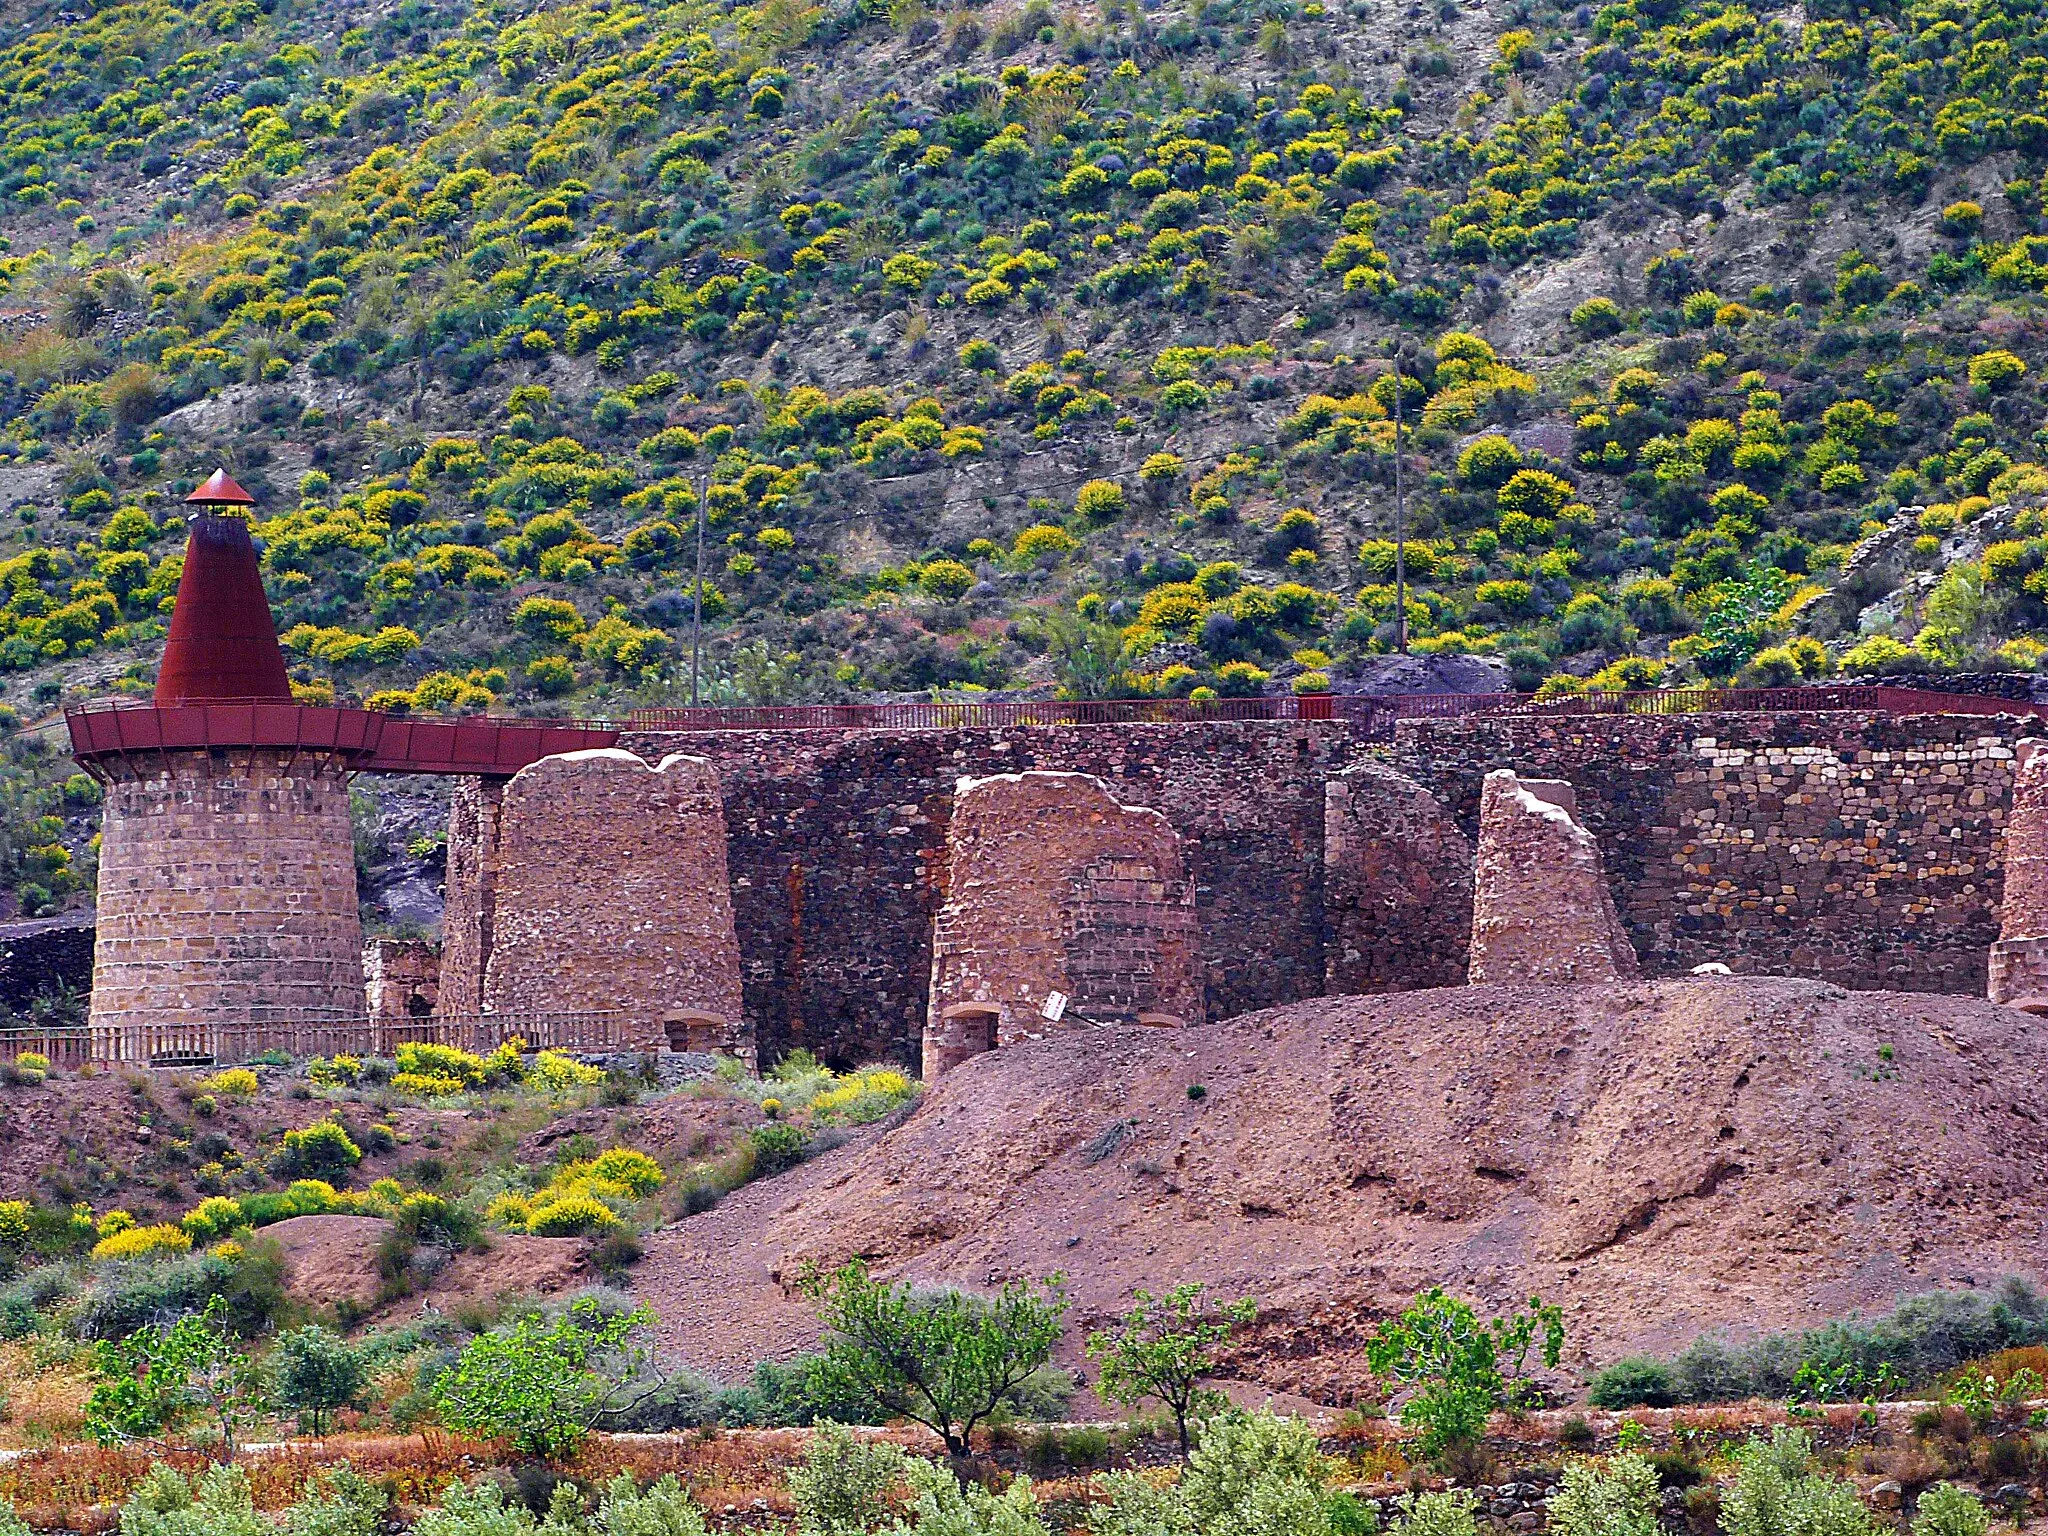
1397, 885
401, 978
612, 891
1541, 909
2019, 960
470, 893
227, 893
1861, 848
838, 869
1052, 886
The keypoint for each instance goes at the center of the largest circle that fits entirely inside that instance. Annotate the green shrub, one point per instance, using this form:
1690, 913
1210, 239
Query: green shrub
1637, 1381
322, 1147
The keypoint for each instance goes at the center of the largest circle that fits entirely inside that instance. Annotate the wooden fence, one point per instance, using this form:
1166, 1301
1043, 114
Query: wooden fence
222, 1045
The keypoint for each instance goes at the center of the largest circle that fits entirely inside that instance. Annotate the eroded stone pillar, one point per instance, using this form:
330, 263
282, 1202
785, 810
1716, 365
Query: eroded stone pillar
611, 893
470, 894
1541, 907
1053, 886
1397, 885
401, 978
2019, 960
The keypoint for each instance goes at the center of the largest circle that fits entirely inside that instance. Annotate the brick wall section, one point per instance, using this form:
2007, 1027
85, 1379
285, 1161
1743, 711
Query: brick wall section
227, 893
1052, 886
1861, 848
837, 842
1541, 909
2019, 960
1397, 885
470, 893
612, 891
401, 978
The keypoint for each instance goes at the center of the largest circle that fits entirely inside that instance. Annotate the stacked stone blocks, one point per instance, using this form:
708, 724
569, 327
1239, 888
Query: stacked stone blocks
227, 897
1055, 888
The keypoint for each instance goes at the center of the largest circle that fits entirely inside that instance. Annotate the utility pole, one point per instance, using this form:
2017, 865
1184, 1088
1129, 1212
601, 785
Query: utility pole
697, 592
1400, 518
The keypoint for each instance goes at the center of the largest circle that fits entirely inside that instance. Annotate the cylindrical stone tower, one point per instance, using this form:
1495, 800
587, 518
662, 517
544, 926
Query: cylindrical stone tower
227, 891
2019, 960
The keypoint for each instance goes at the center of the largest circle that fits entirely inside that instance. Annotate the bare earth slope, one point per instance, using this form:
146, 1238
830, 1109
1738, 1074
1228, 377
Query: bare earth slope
1662, 1157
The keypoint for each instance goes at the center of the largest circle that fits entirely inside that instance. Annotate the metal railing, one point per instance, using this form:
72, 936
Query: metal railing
224, 1045
1374, 713
68, 1046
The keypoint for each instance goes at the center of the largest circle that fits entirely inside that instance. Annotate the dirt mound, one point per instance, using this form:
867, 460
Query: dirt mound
330, 1259
1662, 1158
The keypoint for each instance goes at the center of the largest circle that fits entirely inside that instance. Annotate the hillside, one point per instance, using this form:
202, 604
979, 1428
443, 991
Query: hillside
1018, 345
1662, 1158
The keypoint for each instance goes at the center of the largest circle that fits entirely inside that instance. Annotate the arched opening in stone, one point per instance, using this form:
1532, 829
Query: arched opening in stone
419, 1005
692, 1029
970, 1029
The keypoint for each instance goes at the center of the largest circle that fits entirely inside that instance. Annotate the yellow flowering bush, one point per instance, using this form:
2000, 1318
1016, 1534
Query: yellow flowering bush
555, 1072
634, 1172
861, 1097
573, 1214
215, 1216
136, 1242
236, 1083
428, 1085
14, 1225
341, 1072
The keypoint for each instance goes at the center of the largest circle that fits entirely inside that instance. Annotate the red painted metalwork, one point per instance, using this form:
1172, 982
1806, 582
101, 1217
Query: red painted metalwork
222, 644
491, 747
220, 491
370, 741
1375, 713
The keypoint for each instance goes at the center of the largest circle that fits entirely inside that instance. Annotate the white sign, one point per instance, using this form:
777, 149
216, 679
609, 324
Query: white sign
1055, 1005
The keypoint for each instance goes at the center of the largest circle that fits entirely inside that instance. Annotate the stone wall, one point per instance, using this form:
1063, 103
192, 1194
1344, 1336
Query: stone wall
1397, 885
227, 893
470, 887
43, 957
612, 892
401, 978
1861, 848
2019, 960
1053, 887
837, 858
1541, 909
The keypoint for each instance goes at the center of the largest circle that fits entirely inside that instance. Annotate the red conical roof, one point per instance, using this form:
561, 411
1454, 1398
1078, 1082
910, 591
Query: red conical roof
220, 491
223, 644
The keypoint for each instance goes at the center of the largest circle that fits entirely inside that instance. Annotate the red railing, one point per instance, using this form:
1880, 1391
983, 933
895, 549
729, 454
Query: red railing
1374, 713
500, 746
220, 1044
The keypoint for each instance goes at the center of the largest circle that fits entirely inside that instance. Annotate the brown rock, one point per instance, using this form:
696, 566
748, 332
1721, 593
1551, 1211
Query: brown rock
1541, 909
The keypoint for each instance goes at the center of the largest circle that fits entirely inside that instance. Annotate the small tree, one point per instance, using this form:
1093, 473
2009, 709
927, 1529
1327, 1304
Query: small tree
545, 1382
1166, 1345
160, 1377
316, 1372
942, 1359
1461, 1369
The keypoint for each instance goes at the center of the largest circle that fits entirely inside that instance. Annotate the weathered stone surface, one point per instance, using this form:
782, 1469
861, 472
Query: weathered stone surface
227, 893
1541, 910
2019, 960
475, 813
837, 857
1397, 885
401, 978
1052, 886
1858, 847
43, 956
611, 891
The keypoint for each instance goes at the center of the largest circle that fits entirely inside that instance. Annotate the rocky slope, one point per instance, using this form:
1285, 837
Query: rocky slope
1662, 1158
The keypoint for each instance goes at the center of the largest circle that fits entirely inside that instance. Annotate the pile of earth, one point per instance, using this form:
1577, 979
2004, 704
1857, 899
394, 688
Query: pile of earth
1661, 1158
